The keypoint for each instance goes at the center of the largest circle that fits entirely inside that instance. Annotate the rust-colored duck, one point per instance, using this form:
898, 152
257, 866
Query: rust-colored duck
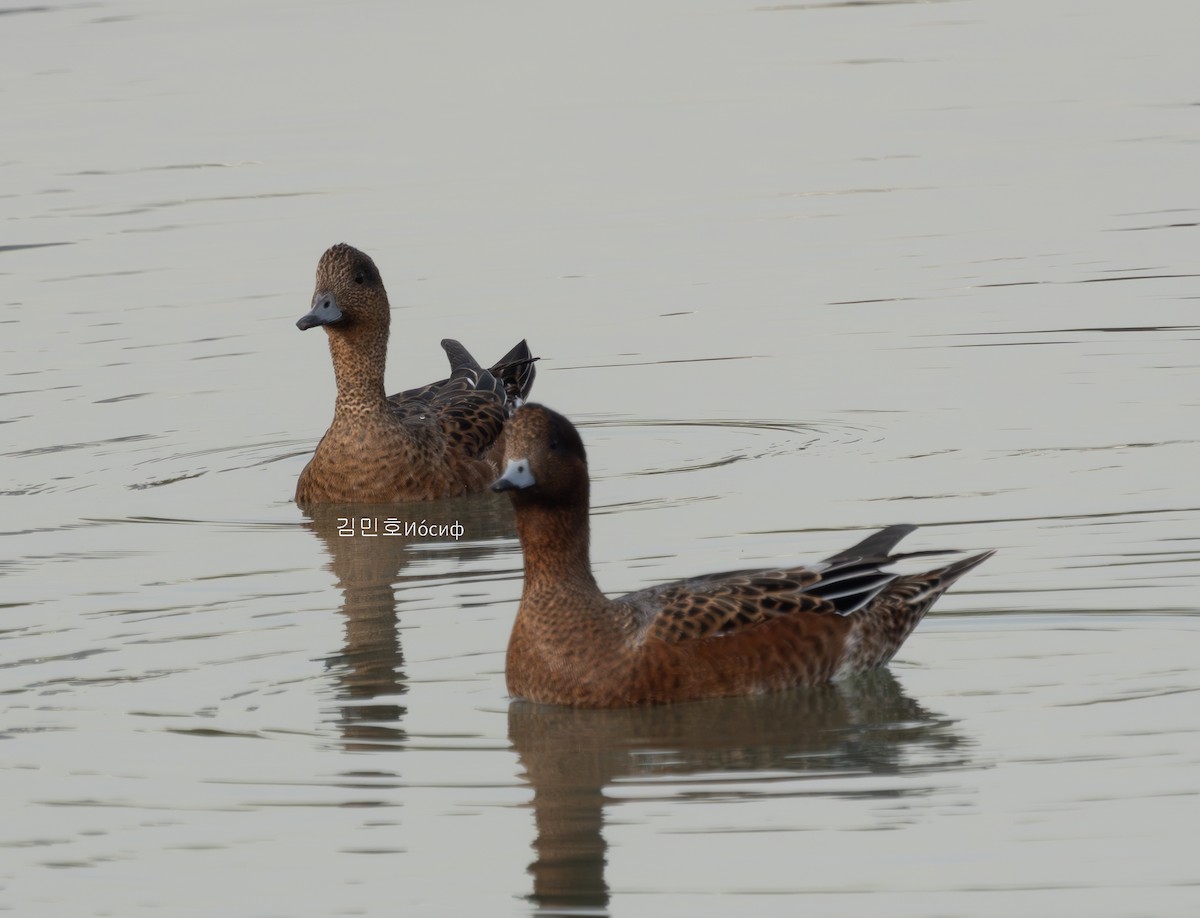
734, 633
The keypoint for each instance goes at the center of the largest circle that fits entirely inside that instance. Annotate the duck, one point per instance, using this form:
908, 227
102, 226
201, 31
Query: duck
440, 440
736, 633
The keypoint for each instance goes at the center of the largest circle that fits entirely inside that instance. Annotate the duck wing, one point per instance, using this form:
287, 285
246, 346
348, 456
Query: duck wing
722, 604
470, 406
511, 379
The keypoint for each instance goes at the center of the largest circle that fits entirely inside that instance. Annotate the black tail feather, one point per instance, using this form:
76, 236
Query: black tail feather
516, 369
875, 548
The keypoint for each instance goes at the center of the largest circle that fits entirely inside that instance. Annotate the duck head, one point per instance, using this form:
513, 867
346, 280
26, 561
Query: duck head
544, 458
349, 292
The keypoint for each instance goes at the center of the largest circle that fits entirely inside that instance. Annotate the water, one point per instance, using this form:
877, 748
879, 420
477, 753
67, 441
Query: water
797, 270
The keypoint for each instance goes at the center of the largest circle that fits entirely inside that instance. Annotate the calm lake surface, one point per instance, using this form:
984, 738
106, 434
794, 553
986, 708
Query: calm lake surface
797, 270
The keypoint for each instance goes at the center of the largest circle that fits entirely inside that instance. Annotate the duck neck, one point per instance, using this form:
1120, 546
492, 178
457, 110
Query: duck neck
554, 539
359, 358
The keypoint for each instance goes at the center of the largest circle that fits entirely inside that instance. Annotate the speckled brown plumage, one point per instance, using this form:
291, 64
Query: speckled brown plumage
441, 440
735, 633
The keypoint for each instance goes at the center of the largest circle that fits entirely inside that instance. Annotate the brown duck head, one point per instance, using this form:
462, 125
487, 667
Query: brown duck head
544, 460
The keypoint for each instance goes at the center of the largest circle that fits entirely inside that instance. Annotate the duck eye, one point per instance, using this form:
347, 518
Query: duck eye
554, 443
360, 278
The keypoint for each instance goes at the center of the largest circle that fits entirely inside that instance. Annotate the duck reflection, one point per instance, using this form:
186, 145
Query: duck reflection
369, 562
570, 755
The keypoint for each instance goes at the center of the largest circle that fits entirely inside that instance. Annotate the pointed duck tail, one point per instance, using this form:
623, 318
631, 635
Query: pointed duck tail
887, 618
516, 369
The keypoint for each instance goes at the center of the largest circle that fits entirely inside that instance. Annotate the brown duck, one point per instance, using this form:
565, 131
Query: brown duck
735, 633
441, 440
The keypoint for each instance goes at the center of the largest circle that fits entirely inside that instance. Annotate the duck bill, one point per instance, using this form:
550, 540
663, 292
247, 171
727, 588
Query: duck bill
517, 476
324, 312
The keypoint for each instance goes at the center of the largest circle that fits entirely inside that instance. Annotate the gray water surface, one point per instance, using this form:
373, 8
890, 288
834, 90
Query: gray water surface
797, 271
